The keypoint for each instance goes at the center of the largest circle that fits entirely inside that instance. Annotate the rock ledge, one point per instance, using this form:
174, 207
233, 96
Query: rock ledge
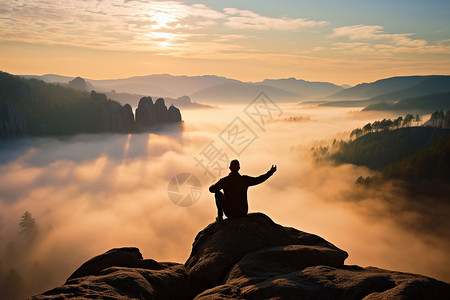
244, 258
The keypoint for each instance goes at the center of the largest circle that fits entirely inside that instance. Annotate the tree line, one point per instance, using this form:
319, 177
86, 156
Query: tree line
387, 124
381, 143
440, 119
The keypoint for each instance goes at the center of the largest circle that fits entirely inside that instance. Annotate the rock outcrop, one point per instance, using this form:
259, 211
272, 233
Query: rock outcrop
78, 83
151, 115
123, 274
98, 97
144, 114
230, 242
127, 117
244, 258
160, 112
110, 116
174, 114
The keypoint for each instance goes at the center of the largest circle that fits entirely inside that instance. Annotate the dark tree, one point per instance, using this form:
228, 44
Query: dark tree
447, 119
28, 226
417, 119
398, 122
441, 118
434, 119
14, 285
356, 132
408, 119
367, 128
376, 125
386, 124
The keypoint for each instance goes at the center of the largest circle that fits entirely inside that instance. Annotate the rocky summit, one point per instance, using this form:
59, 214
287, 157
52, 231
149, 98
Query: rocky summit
244, 258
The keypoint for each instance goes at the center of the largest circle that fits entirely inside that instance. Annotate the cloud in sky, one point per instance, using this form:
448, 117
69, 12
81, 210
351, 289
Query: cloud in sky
137, 25
246, 19
175, 36
373, 39
110, 24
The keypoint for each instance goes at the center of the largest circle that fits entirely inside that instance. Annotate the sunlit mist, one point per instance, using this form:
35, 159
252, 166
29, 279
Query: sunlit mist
91, 193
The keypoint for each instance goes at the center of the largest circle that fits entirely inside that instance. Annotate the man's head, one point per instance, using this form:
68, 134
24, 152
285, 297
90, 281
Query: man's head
234, 165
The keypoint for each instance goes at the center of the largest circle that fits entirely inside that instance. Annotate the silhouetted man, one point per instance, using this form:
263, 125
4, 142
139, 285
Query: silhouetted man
234, 202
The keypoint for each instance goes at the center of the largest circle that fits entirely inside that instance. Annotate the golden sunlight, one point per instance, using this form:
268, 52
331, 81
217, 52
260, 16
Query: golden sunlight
163, 19
121, 122
162, 39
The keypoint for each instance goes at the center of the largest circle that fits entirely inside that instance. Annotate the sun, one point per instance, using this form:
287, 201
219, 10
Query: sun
162, 19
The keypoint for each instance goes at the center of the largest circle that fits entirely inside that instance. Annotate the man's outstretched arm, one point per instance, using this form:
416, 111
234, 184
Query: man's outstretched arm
262, 178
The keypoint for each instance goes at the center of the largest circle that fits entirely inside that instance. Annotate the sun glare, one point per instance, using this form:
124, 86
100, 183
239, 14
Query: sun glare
162, 39
162, 19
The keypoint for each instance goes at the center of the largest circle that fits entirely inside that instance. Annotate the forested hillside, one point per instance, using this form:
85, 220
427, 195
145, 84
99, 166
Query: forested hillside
417, 156
33, 107
44, 108
377, 150
430, 164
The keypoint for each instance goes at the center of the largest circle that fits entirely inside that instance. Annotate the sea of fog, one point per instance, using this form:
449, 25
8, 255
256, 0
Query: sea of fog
91, 193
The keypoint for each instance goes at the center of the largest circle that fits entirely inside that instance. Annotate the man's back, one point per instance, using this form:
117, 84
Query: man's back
235, 187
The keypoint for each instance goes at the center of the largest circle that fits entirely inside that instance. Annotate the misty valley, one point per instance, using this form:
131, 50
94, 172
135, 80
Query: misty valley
85, 167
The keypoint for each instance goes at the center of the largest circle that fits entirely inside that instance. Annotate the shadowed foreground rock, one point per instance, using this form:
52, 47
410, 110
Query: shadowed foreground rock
244, 258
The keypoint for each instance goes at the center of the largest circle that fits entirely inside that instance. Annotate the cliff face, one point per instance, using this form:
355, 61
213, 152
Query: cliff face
174, 114
144, 114
244, 258
160, 109
110, 116
35, 108
12, 120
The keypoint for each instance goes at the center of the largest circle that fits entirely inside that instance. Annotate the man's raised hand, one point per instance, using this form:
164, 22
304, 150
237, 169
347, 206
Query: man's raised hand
273, 169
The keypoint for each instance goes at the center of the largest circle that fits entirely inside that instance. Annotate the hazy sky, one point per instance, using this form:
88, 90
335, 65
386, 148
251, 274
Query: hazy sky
338, 41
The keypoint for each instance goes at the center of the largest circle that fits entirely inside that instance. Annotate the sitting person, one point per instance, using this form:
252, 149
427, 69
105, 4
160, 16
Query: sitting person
233, 202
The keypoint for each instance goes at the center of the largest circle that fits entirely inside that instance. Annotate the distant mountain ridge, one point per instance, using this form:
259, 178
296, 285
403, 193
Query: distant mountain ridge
162, 84
426, 86
156, 84
396, 88
422, 104
213, 89
237, 92
311, 89
207, 87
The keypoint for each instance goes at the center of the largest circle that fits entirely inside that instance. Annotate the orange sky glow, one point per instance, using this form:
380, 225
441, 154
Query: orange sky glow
250, 42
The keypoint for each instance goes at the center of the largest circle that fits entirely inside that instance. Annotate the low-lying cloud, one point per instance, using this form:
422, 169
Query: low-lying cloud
91, 193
